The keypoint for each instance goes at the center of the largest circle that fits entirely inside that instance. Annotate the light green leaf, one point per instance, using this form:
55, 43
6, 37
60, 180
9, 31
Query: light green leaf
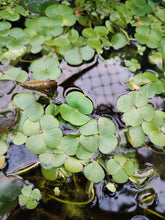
94, 172
73, 165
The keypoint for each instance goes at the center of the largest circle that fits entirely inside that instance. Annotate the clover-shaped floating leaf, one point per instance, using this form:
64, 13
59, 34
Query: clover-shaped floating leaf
95, 37
77, 108
29, 197
135, 108
98, 135
94, 172
49, 26
120, 168
76, 51
139, 7
133, 64
18, 38
118, 40
15, 74
73, 165
148, 36
136, 136
62, 12
45, 69
155, 129
27, 102
53, 157
3, 147
149, 83
48, 136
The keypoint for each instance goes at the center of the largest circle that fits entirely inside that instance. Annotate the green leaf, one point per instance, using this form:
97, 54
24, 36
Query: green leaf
61, 11
88, 33
50, 173
89, 128
31, 204
89, 143
36, 194
16, 74
83, 154
73, 56
49, 26
26, 191
150, 37
3, 147
106, 126
120, 168
73, 115
19, 138
23, 199
30, 127
52, 135
78, 101
73, 165
70, 144
107, 143
27, 102
137, 136
58, 160
36, 144
133, 117
45, 69
118, 40
94, 172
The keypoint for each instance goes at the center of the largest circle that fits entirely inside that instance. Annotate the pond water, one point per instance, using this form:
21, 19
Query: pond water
103, 83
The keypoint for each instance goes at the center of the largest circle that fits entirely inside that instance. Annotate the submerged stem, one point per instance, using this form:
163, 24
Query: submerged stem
75, 203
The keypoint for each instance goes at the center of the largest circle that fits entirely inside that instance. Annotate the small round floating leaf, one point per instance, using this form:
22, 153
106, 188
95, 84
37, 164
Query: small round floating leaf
36, 194
31, 204
107, 143
48, 122
46, 157
73, 35
24, 100
89, 128
26, 190
73, 56
23, 199
157, 137
52, 137
30, 127
58, 160
80, 102
50, 173
95, 43
70, 144
106, 126
17, 74
83, 154
45, 69
87, 52
89, 143
129, 168
72, 115
3, 147
133, 117
138, 99
73, 165
34, 111
125, 103
36, 144
147, 112
137, 136
94, 172
19, 138
89, 33
101, 30
148, 127
118, 40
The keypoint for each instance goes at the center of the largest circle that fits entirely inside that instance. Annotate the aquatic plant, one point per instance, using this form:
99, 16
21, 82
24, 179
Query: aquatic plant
52, 34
